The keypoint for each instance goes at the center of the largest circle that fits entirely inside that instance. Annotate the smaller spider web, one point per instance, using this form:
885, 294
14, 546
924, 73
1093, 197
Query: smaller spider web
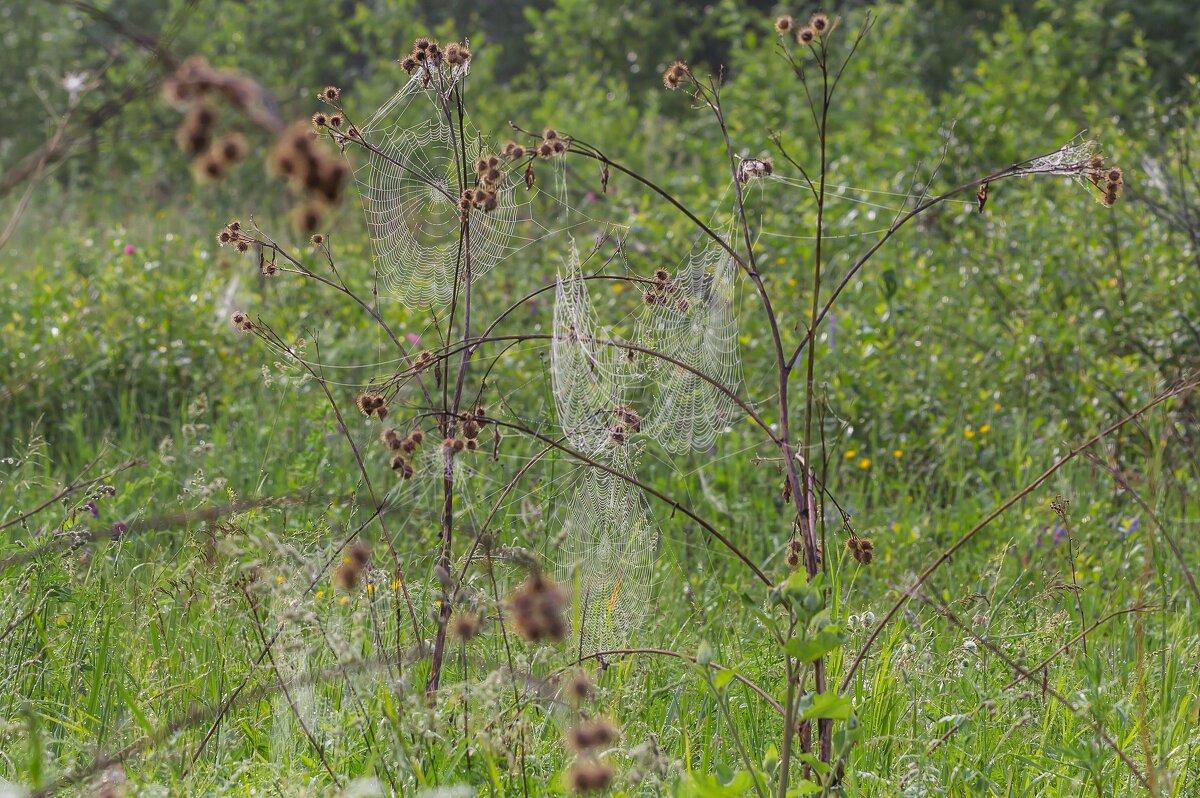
590, 378
607, 555
693, 319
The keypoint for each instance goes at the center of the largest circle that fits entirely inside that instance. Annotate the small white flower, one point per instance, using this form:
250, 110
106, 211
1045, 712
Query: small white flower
74, 83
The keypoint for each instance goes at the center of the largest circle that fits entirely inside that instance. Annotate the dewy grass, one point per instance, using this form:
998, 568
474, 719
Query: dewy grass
462, 528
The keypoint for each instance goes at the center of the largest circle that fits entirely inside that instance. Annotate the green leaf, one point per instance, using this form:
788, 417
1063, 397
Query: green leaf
723, 678
704, 785
827, 705
813, 648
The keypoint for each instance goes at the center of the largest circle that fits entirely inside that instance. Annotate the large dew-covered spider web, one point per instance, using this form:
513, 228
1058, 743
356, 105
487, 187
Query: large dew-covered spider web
590, 377
692, 317
606, 559
410, 187
608, 538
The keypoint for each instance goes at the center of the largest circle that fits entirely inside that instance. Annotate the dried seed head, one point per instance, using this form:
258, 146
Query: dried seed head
805, 35
209, 168
358, 555
417, 437
231, 148
472, 444
241, 321
783, 23
336, 120
318, 240
579, 688
409, 64
589, 775
465, 625
674, 75
536, 608
320, 119
308, 217
594, 733
330, 94
398, 462
819, 23
345, 578
862, 549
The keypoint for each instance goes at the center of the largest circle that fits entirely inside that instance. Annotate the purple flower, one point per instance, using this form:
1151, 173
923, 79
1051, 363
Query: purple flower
1127, 526
118, 529
130, 249
93, 509
1060, 532
413, 338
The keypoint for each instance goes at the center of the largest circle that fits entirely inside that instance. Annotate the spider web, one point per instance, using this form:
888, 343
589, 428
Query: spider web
607, 556
1070, 160
410, 187
696, 324
590, 378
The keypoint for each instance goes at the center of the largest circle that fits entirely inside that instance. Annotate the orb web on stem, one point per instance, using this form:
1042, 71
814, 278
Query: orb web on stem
606, 558
410, 187
590, 377
692, 317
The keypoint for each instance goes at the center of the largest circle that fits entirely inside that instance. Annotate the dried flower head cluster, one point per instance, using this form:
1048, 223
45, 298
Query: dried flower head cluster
489, 176
1108, 179
752, 168
862, 549
624, 420
552, 144
232, 235
195, 88
321, 176
466, 626
241, 321
372, 404
588, 737
427, 56
402, 450
676, 74
537, 609
660, 293
795, 553
578, 689
589, 775
591, 734
348, 574
818, 25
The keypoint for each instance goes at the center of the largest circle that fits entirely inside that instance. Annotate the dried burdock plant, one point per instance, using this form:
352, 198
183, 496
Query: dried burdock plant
445, 208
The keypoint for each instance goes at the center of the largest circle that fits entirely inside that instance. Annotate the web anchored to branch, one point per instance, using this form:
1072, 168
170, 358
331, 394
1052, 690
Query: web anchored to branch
607, 556
690, 319
410, 190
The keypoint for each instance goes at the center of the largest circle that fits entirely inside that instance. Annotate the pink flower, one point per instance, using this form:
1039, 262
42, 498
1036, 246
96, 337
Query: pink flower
413, 338
130, 249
